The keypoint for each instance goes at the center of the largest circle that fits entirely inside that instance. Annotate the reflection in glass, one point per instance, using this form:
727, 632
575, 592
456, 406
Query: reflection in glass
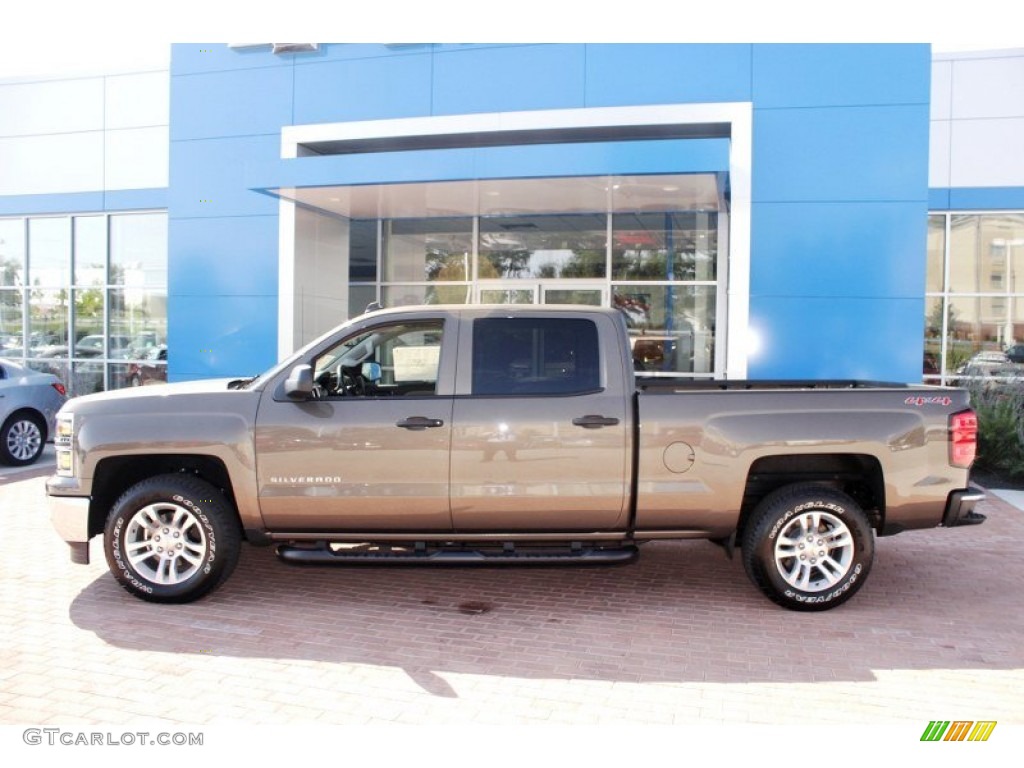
362, 251
12, 252
427, 250
506, 296
359, 297
664, 246
12, 339
933, 330
591, 297
48, 322
49, 251
86, 378
138, 321
936, 253
59, 367
671, 328
138, 250
88, 333
986, 253
520, 247
150, 369
410, 295
90, 250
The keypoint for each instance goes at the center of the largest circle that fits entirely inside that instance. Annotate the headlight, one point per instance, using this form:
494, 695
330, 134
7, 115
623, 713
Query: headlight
63, 442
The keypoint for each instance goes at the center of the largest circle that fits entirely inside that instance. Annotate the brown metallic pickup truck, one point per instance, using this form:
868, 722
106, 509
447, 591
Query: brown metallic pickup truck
491, 435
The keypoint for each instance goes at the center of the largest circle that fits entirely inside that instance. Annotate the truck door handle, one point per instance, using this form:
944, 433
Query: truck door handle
592, 421
419, 422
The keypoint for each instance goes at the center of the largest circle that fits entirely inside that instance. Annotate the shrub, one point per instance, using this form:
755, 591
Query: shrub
1000, 410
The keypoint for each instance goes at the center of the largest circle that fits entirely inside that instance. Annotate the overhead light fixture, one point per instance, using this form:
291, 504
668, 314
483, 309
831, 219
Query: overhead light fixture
278, 48
670, 188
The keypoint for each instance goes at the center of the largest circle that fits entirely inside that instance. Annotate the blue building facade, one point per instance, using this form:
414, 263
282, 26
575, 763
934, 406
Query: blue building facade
757, 211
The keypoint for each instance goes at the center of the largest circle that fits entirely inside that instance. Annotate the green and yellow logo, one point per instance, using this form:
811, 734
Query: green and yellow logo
958, 730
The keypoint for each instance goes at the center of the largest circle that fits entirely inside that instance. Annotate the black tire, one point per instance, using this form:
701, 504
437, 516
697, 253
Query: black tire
188, 514
808, 547
22, 439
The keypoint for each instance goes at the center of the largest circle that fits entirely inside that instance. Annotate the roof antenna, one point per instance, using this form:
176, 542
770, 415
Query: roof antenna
373, 306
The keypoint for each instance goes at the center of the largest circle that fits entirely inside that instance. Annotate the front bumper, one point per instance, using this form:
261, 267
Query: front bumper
960, 508
70, 518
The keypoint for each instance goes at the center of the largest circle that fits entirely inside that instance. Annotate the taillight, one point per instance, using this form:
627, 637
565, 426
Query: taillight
60, 388
963, 438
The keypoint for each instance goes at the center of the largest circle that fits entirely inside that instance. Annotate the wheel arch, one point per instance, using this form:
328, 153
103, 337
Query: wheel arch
859, 476
115, 475
28, 410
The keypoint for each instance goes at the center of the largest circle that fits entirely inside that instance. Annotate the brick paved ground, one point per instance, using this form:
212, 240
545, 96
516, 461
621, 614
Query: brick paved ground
680, 637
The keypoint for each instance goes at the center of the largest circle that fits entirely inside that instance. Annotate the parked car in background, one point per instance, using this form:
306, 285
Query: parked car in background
1015, 353
153, 369
92, 346
29, 400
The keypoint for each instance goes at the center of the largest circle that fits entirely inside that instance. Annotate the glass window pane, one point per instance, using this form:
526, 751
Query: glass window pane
138, 321
506, 295
987, 253
665, 246
977, 329
12, 252
520, 247
933, 337
427, 250
362, 251
671, 328
407, 356
410, 295
59, 367
86, 378
49, 251
936, 253
588, 296
359, 297
48, 322
150, 370
138, 250
88, 323
535, 356
90, 250
12, 339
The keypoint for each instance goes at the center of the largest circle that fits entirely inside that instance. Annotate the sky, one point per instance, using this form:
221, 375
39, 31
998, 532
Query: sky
61, 37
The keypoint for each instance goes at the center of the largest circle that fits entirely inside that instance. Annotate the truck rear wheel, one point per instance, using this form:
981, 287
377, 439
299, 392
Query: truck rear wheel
808, 547
172, 539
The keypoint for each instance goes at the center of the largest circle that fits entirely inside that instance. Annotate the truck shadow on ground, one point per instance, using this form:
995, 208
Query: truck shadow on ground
682, 612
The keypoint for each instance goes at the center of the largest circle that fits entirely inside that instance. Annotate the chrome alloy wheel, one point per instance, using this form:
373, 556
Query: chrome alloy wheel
165, 543
814, 551
24, 440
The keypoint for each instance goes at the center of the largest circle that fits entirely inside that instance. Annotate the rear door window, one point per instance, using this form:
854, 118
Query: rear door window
535, 356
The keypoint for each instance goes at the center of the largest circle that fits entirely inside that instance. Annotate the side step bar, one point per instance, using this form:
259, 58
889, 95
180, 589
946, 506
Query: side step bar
324, 555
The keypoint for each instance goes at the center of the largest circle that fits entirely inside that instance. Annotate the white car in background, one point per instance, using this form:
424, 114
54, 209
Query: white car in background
29, 400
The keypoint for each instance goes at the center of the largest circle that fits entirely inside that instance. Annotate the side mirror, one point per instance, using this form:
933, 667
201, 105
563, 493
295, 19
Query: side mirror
299, 384
371, 371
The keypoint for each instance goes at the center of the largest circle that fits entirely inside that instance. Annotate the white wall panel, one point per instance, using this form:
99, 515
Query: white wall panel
938, 154
987, 153
138, 101
61, 106
988, 87
942, 83
136, 158
36, 165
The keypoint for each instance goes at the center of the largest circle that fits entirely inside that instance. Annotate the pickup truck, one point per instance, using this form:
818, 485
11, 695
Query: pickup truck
487, 435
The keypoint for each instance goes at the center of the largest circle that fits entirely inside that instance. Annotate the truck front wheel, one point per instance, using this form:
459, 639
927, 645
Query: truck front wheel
172, 539
808, 547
